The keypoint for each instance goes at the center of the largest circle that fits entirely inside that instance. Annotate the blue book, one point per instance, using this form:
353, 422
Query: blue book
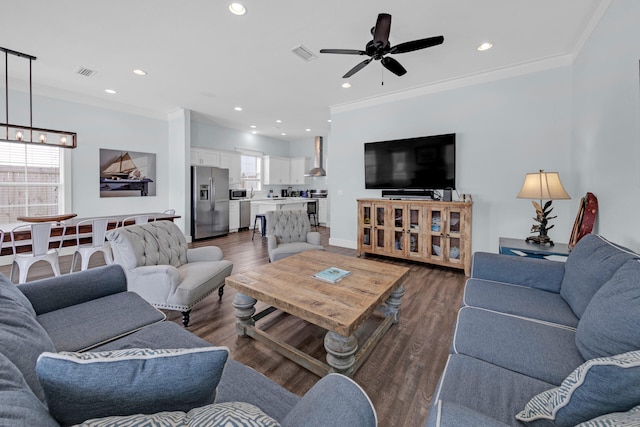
332, 274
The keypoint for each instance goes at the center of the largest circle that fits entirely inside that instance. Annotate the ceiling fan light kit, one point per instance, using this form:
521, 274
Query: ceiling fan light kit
377, 48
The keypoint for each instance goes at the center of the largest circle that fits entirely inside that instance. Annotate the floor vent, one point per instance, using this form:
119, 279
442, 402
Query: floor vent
303, 53
85, 72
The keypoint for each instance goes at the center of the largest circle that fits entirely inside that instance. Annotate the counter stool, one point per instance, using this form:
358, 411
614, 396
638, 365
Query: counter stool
263, 225
312, 212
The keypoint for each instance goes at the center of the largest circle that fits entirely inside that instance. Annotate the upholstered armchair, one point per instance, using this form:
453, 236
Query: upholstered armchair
288, 233
163, 270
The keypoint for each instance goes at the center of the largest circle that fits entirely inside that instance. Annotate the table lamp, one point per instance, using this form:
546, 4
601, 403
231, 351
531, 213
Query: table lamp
542, 186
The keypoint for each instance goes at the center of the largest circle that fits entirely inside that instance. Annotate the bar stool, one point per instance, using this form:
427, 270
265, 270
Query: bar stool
137, 219
312, 211
263, 225
98, 243
40, 239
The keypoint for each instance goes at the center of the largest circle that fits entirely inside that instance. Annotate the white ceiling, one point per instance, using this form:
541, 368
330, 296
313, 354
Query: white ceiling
200, 57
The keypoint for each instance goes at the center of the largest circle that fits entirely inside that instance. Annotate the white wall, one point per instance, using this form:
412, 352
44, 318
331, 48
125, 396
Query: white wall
606, 122
503, 128
100, 128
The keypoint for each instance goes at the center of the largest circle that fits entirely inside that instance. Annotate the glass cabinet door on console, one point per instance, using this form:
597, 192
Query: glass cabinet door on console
453, 235
399, 225
365, 222
435, 237
382, 228
415, 232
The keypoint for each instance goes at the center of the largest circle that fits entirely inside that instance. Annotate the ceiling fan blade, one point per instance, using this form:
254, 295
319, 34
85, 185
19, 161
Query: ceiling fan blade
344, 51
393, 66
381, 30
417, 44
357, 68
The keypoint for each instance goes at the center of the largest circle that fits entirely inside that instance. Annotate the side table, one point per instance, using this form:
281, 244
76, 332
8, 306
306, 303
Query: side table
520, 247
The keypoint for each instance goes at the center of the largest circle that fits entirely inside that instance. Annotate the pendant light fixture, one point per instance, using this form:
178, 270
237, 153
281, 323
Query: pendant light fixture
29, 134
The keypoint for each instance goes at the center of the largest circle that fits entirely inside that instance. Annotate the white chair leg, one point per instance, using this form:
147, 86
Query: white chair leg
55, 267
85, 261
108, 258
73, 261
13, 269
22, 278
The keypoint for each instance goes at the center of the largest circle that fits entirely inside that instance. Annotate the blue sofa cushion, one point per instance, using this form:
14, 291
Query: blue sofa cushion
597, 387
98, 321
540, 350
589, 265
81, 386
519, 300
630, 418
482, 387
18, 404
9, 290
22, 338
448, 414
611, 323
232, 414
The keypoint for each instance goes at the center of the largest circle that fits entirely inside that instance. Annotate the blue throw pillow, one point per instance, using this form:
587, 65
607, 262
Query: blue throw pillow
80, 386
19, 406
9, 290
590, 264
611, 323
597, 387
231, 414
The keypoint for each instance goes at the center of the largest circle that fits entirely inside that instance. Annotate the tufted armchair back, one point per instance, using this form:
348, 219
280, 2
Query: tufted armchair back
153, 243
288, 226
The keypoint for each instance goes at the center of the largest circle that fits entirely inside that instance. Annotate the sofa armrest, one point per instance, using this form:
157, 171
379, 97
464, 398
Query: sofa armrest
54, 293
532, 272
333, 401
313, 237
205, 253
155, 283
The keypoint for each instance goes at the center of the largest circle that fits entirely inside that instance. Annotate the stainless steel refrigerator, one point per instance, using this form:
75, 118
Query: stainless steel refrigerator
209, 202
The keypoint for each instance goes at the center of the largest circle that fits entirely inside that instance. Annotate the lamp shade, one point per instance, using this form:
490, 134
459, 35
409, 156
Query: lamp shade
543, 186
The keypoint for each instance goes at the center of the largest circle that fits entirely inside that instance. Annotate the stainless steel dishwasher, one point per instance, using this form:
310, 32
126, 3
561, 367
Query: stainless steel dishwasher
245, 214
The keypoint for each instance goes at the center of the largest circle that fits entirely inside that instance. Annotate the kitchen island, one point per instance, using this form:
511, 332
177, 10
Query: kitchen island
278, 204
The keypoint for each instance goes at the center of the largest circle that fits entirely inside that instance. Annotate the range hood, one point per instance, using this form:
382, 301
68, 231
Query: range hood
317, 170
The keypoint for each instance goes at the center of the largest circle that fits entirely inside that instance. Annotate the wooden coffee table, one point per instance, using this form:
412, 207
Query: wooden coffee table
340, 307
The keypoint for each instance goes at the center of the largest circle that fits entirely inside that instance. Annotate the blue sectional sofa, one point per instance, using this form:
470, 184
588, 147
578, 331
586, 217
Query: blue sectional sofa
80, 348
546, 343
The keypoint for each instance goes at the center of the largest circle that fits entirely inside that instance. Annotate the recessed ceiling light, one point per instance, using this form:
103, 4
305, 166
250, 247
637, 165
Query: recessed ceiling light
238, 108
237, 9
329, 120
254, 132
485, 46
278, 121
283, 134
307, 130
252, 126
111, 91
140, 72
346, 85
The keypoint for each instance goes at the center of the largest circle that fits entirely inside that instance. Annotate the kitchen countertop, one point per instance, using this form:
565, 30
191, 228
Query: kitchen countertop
281, 200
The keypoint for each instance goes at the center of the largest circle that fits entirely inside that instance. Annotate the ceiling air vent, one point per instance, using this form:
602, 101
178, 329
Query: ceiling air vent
303, 53
85, 71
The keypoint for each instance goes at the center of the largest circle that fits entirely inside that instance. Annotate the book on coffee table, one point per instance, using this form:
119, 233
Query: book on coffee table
331, 274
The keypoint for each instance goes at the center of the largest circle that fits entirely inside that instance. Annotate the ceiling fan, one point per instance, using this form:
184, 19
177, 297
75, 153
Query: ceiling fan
380, 46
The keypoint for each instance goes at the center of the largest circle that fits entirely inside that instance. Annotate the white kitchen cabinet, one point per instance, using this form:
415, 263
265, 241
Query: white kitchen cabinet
298, 169
276, 171
231, 161
323, 211
234, 215
205, 157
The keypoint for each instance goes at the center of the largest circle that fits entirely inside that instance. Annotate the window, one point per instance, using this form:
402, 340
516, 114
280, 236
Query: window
251, 172
31, 181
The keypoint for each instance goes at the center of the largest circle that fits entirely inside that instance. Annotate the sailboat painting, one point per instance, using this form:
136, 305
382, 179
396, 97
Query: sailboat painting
127, 173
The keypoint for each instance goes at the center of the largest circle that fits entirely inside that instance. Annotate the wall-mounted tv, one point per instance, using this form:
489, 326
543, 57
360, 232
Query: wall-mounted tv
425, 163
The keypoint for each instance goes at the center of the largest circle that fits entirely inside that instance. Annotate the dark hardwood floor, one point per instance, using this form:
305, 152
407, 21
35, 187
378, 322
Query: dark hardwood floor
401, 374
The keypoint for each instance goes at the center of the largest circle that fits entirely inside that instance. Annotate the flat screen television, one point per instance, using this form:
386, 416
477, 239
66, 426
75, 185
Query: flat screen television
425, 163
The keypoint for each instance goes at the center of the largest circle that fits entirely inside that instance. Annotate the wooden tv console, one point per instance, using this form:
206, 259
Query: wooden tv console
428, 231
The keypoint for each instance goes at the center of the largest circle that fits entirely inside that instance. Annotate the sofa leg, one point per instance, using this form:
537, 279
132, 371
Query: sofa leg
220, 292
185, 318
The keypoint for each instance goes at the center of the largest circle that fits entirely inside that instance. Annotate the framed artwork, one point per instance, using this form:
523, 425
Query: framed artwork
127, 173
